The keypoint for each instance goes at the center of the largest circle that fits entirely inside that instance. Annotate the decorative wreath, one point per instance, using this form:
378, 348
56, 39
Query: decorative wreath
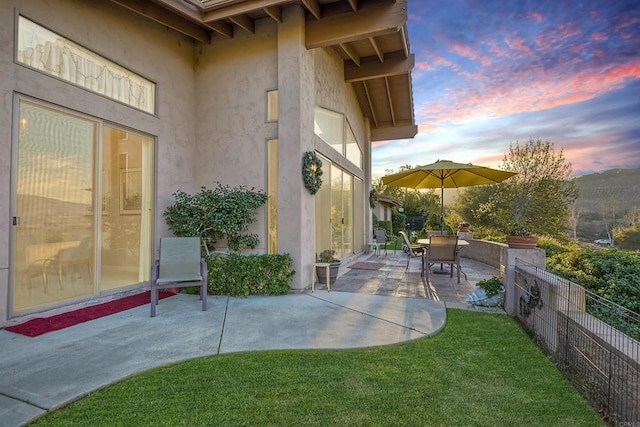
373, 198
311, 171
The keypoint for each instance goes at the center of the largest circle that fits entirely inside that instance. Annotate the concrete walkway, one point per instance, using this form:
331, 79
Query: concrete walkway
366, 308
43, 373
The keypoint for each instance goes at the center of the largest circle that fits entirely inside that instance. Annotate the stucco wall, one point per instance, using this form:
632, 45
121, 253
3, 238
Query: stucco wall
233, 77
149, 49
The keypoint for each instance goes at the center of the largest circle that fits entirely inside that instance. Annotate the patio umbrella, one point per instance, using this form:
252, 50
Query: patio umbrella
446, 174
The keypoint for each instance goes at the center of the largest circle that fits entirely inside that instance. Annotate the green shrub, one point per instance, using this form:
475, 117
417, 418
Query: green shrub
387, 226
553, 246
491, 286
398, 221
609, 273
241, 276
219, 213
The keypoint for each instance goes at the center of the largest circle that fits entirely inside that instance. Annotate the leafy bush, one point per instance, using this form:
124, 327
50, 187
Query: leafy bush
223, 212
609, 273
239, 275
491, 286
554, 246
387, 226
398, 221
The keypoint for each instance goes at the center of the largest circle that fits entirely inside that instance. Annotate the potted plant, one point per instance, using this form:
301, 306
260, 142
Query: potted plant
490, 293
519, 236
328, 256
463, 227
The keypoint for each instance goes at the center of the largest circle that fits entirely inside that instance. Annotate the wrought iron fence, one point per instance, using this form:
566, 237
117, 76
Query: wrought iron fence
593, 340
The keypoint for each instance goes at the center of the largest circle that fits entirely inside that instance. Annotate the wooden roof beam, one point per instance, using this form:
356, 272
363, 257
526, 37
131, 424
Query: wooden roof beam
313, 7
245, 22
373, 113
167, 18
397, 132
351, 53
239, 9
222, 28
370, 70
274, 12
353, 4
370, 20
393, 115
376, 48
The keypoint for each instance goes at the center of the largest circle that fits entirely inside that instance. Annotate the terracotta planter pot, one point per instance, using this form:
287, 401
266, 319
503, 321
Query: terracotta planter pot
333, 273
463, 229
522, 242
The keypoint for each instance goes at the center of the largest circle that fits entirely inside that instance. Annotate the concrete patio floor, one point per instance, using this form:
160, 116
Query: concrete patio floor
365, 308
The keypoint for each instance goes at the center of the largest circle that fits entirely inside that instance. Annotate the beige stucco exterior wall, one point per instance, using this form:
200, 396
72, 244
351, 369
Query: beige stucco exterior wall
211, 117
233, 77
151, 50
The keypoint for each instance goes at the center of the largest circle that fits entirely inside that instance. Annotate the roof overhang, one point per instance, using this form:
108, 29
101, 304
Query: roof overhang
369, 35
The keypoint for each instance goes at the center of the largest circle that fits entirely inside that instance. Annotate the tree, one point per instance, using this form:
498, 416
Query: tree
535, 200
574, 218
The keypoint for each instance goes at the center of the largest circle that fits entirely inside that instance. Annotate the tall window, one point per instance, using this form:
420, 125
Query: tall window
272, 190
83, 212
333, 129
55, 55
272, 105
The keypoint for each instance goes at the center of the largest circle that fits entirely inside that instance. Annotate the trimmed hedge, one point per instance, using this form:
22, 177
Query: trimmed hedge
244, 275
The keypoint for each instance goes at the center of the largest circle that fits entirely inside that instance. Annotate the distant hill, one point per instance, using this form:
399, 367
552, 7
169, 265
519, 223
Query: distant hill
617, 189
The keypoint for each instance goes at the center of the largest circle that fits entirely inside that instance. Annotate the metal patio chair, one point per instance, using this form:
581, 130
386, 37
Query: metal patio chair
179, 266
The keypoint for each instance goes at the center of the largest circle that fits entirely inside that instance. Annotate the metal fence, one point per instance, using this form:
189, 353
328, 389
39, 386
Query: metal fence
594, 341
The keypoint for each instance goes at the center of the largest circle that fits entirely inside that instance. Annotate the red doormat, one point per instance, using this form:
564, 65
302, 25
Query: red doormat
367, 265
43, 325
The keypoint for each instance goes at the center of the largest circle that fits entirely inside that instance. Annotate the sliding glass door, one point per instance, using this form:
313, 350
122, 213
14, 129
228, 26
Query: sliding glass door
83, 207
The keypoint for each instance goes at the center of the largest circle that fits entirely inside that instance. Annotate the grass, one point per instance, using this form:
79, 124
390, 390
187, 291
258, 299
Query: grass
482, 370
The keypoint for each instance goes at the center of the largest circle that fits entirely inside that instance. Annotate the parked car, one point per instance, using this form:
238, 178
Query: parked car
605, 242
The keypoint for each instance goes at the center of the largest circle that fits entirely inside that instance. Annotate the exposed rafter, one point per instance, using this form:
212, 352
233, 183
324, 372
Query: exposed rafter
274, 12
371, 20
166, 17
313, 7
239, 9
391, 111
370, 102
244, 22
222, 28
353, 4
351, 53
376, 48
369, 70
397, 132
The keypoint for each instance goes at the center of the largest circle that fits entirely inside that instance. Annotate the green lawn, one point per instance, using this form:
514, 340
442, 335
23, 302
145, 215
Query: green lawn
482, 370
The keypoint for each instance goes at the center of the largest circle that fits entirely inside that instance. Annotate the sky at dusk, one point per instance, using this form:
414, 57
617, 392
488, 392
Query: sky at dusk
490, 73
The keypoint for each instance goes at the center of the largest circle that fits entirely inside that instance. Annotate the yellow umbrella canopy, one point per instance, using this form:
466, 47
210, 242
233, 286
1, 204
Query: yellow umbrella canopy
446, 174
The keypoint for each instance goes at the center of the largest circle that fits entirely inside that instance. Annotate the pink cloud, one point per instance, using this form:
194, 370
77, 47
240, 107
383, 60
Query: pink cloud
537, 17
599, 37
509, 93
464, 51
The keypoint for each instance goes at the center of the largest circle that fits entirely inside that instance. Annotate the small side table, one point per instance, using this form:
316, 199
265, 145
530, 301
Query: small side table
375, 247
313, 275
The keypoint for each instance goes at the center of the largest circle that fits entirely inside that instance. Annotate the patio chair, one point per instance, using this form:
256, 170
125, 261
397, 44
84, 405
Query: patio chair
413, 251
179, 266
443, 250
381, 238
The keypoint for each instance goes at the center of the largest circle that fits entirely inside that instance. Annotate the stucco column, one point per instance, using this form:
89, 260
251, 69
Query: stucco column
508, 257
296, 206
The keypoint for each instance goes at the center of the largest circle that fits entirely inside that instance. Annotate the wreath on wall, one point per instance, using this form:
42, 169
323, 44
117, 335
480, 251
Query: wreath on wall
373, 198
311, 171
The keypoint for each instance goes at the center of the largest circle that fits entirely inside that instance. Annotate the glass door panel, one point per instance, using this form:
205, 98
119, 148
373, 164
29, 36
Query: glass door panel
126, 208
336, 209
347, 215
323, 210
54, 257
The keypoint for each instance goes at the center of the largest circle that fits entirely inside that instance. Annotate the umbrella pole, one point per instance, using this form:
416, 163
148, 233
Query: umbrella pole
442, 207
